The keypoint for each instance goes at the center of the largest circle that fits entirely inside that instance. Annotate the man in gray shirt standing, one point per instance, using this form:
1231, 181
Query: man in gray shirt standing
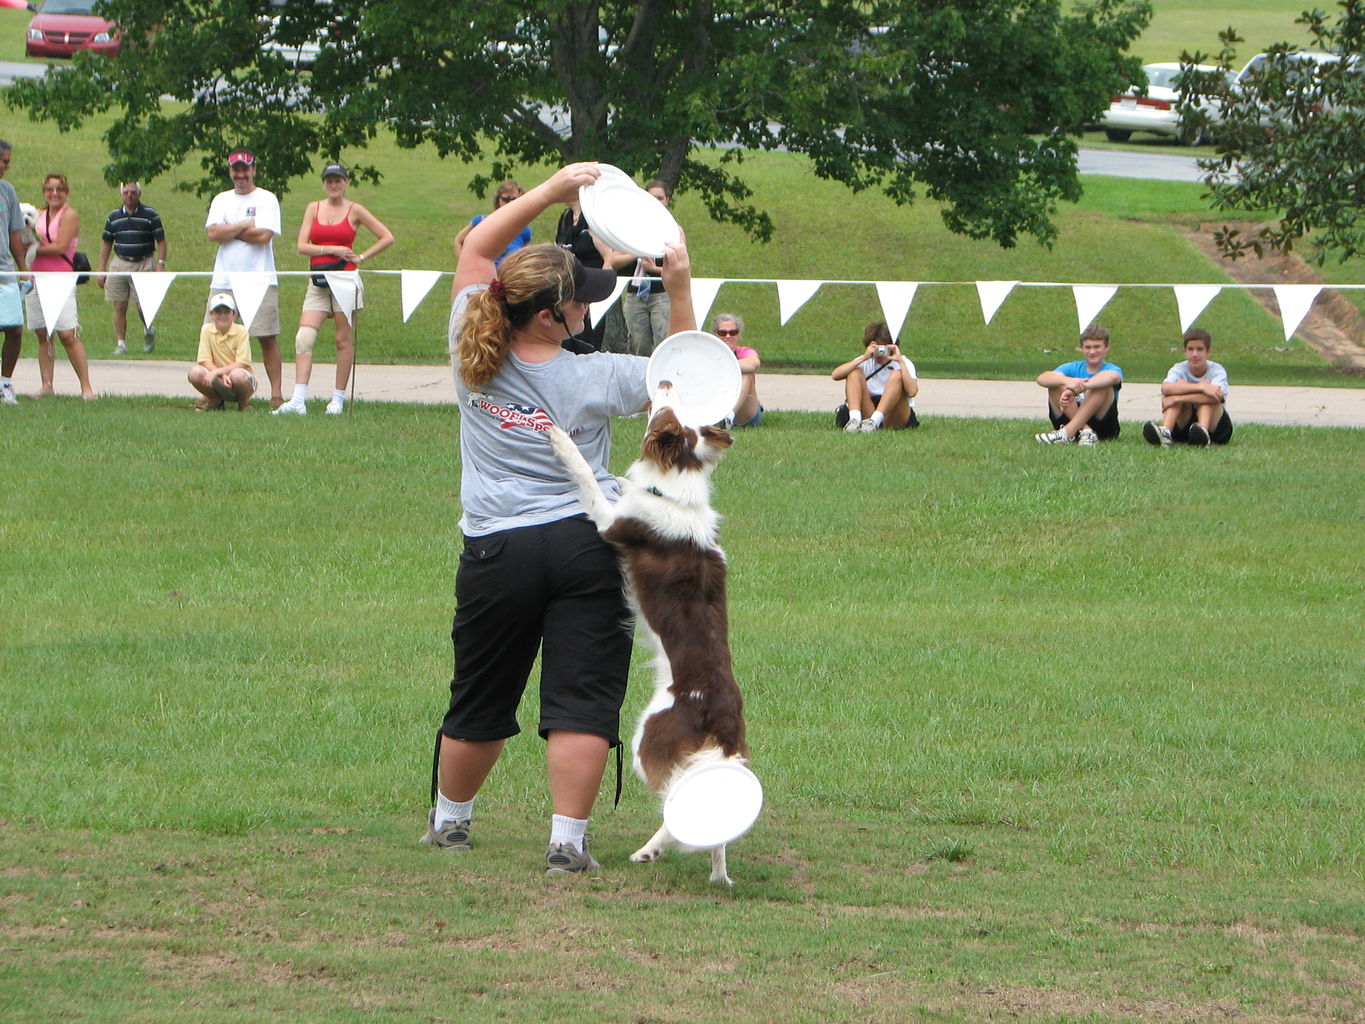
12, 257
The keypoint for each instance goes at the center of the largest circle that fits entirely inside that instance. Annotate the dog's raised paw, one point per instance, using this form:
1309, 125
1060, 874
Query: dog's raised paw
646, 855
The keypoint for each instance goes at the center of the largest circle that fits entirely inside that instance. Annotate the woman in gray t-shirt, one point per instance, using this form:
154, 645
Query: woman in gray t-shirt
534, 576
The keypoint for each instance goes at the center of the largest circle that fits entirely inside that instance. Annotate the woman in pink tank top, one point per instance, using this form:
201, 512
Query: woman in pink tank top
327, 237
58, 231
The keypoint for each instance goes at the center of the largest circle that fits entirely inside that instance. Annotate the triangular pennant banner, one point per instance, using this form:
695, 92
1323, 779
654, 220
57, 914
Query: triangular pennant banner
248, 289
344, 284
704, 291
792, 295
1193, 299
599, 309
1294, 300
1090, 299
992, 294
54, 288
415, 284
895, 298
151, 288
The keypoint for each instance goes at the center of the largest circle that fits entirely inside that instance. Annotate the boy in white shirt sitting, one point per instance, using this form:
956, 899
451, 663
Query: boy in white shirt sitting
1192, 398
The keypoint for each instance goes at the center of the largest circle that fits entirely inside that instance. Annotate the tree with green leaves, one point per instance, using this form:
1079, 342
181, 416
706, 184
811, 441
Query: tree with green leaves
977, 104
1289, 137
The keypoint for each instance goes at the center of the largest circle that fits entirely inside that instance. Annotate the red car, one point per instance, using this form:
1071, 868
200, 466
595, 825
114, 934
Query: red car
61, 27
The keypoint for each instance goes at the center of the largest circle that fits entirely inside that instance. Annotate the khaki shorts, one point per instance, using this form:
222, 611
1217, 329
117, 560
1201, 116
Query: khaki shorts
66, 319
118, 287
321, 300
266, 323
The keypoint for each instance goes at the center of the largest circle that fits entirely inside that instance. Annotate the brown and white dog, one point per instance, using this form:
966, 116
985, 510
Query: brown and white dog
665, 532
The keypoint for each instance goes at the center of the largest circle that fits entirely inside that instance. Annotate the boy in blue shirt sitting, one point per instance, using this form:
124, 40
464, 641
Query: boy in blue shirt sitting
1083, 395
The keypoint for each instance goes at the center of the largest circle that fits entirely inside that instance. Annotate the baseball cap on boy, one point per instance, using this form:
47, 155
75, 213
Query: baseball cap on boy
222, 299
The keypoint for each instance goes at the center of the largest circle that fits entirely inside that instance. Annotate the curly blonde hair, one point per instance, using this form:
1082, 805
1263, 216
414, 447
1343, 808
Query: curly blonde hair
531, 279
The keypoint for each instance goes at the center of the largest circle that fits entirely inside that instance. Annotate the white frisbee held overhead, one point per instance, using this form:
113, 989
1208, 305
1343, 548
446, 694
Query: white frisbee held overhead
704, 373
713, 805
625, 216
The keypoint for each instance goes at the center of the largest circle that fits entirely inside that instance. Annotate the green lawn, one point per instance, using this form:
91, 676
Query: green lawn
1046, 735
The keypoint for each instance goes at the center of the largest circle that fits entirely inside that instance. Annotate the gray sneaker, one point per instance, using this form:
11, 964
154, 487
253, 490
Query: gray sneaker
563, 859
1157, 433
7, 396
1087, 436
453, 835
1052, 437
149, 339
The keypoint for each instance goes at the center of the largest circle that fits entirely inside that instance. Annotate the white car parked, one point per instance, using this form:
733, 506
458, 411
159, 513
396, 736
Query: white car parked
1157, 111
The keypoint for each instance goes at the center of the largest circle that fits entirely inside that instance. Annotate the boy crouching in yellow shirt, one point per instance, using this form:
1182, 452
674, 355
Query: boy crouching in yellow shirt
223, 371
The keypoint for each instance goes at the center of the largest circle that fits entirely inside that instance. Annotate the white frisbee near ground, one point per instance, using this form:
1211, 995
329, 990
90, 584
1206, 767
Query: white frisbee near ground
713, 804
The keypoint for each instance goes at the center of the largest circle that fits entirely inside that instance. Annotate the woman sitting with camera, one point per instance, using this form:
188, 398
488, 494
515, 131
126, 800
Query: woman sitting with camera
879, 386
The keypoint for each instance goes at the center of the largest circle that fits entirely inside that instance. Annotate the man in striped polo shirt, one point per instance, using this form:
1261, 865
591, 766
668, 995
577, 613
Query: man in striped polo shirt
133, 240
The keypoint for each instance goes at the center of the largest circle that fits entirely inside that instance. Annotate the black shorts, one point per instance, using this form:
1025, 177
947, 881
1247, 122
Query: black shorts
1106, 427
1221, 433
555, 589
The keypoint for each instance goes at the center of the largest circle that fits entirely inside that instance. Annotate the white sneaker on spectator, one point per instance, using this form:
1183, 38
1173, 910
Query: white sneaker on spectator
7, 395
1087, 436
853, 426
867, 426
1052, 437
121, 349
335, 407
293, 407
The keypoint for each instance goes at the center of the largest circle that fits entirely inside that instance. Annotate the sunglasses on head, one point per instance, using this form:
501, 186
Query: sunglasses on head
727, 332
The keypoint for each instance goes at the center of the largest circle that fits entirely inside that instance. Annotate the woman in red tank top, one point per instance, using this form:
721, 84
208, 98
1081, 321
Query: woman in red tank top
327, 237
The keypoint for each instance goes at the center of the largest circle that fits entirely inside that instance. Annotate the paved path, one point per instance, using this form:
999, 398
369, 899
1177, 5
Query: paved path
996, 399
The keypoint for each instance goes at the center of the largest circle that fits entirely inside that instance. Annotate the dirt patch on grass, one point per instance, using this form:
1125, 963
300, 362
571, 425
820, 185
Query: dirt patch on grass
1334, 326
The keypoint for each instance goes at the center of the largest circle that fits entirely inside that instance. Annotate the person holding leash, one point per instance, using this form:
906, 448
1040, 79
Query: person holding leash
535, 576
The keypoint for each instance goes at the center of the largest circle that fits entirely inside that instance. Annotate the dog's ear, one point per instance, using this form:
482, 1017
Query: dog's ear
668, 443
717, 437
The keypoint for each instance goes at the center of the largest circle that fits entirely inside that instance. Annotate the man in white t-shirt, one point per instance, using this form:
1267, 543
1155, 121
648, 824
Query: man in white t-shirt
244, 221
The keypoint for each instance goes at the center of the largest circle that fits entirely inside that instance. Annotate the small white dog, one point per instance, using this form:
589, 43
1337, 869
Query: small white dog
30, 232
664, 529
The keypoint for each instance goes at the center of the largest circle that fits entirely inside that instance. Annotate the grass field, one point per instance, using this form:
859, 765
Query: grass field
1047, 736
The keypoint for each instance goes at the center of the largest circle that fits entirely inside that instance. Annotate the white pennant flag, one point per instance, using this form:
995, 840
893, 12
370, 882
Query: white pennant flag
895, 298
248, 289
704, 291
1294, 300
54, 288
992, 294
151, 288
414, 285
1090, 299
599, 309
344, 284
792, 295
1193, 299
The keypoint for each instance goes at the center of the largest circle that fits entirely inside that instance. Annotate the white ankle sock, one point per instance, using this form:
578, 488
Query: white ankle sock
339, 397
855, 416
300, 392
568, 830
452, 810
877, 418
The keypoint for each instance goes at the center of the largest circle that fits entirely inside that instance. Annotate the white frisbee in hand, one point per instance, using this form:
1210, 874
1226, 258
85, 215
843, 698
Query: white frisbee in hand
704, 374
713, 805
625, 216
